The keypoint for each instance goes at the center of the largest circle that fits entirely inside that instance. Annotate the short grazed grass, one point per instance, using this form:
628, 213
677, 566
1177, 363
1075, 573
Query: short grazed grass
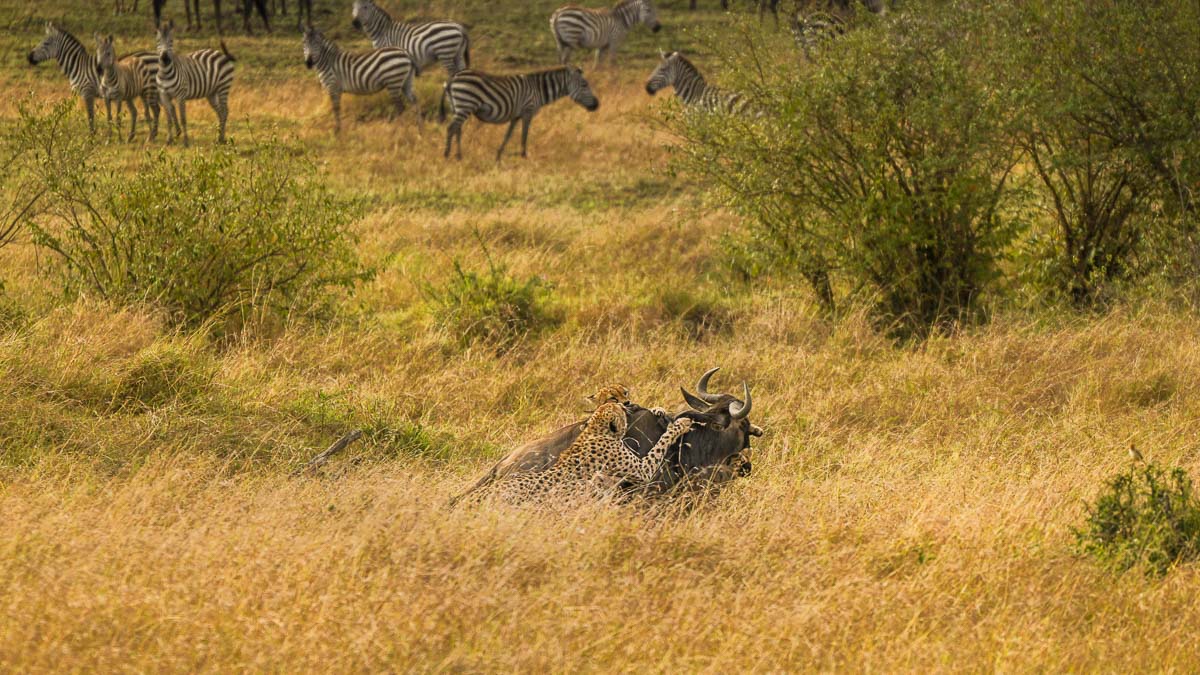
911, 507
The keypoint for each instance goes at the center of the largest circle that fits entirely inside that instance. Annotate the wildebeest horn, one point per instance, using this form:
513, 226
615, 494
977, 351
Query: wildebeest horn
695, 402
702, 387
740, 411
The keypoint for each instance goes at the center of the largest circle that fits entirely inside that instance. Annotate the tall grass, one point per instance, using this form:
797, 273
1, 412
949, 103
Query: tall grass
910, 507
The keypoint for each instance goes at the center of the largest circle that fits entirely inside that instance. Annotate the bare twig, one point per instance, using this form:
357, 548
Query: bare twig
339, 445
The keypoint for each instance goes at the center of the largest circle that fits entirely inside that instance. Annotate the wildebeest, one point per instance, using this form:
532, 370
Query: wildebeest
715, 452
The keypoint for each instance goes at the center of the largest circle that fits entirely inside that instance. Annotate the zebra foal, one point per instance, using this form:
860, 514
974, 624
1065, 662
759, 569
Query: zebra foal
496, 99
76, 63
206, 73
675, 70
604, 30
133, 77
427, 42
389, 68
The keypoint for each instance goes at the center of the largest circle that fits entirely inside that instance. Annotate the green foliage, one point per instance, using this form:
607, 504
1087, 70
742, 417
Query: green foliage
206, 236
885, 165
1113, 136
1145, 517
491, 307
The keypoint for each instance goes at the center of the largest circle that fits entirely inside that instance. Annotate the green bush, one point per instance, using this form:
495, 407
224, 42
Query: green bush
490, 307
884, 166
204, 235
1144, 517
1112, 135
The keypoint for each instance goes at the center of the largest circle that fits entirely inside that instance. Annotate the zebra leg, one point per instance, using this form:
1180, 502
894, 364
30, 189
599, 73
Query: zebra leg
335, 99
108, 114
525, 122
397, 96
133, 122
564, 53
412, 100
90, 103
507, 135
220, 105
151, 122
183, 122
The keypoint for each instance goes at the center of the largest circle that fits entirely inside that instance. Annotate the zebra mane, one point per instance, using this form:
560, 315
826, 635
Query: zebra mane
384, 12
689, 67
622, 4
69, 39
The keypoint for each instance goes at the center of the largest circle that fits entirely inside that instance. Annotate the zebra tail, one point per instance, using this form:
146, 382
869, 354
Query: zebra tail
225, 50
467, 51
442, 104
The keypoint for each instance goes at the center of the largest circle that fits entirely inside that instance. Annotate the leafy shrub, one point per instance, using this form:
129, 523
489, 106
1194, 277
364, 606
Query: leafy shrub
203, 235
1112, 134
885, 165
1145, 516
492, 307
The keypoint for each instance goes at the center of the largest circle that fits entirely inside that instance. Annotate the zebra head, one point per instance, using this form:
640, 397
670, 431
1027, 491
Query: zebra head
165, 40
667, 73
315, 45
579, 91
51, 47
106, 54
367, 16
648, 16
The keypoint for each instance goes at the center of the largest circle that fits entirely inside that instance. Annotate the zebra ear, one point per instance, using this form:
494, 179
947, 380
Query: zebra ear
110, 38
662, 55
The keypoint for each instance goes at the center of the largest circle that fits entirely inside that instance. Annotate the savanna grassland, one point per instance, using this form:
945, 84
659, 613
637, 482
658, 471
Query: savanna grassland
911, 506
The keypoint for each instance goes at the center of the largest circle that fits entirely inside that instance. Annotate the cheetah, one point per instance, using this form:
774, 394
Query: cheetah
595, 463
613, 393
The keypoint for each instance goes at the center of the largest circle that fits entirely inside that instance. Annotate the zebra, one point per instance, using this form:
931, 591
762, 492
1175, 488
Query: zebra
76, 62
206, 73
675, 70
811, 31
604, 30
389, 68
428, 42
496, 99
134, 76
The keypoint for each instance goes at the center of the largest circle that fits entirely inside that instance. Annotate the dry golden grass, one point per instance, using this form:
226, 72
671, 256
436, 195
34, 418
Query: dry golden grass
910, 508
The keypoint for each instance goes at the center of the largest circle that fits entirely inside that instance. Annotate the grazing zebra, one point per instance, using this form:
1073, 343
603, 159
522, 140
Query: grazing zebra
389, 68
428, 42
674, 70
75, 61
206, 73
604, 30
135, 76
815, 29
496, 99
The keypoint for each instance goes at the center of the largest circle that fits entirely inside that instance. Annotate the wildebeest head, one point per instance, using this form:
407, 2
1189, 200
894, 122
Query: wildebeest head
724, 435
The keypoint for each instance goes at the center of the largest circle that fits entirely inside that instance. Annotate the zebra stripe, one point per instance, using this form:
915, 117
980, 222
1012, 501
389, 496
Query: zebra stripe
814, 30
675, 70
427, 42
76, 63
388, 69
604, 30
134, 76
206, 73
496, 99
